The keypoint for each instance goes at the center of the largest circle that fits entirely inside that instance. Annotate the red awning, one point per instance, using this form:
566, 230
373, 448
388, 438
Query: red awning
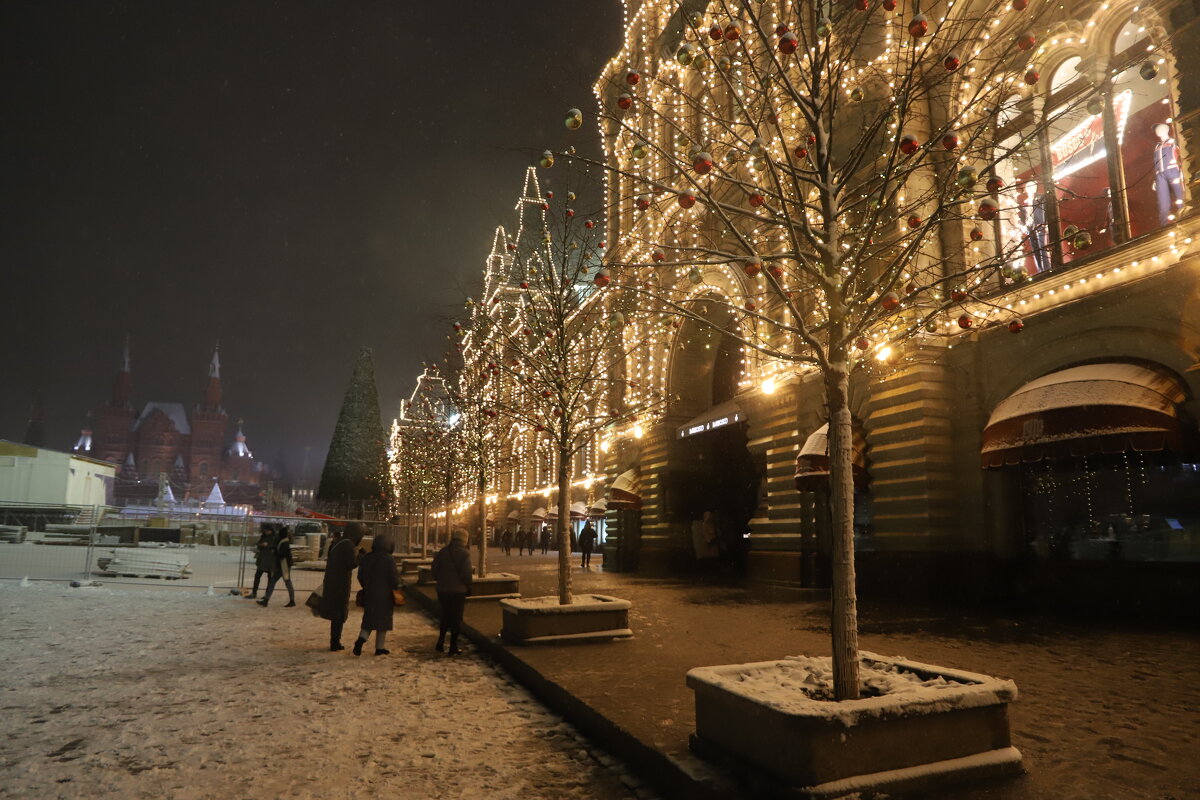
1095, 408
625, 490
812, 463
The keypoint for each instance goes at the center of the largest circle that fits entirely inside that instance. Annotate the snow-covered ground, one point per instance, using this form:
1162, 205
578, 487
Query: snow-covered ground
128, 692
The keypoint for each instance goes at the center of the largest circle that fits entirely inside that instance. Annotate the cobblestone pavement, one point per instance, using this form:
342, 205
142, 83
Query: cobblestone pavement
1104, 711
131, 693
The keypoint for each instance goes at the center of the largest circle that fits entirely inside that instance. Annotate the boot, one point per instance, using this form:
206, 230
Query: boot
252, 595
290, 604
358, 643
263, 602
441, 645
335, 646
380, 652
291, 594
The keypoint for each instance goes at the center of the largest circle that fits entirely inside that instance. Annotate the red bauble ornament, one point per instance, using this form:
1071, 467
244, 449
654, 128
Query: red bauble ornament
570, 212
752, 268
603, 245
549, 195
527, 331
812, 139
632, 78
659, 256
988, 209
861, 5
732, 31
919, 26
952, 62
1031, 77
950, 141
788, 43
910, 288
781, 29
890, 301
511, 247
524, 284
775, 270
603, 277
687, 199
995, 184
750, 305
965, 321
1020, 5
539, 427
909, 144
624, 101
976, 234
889, 5
801, 153
1015, 326
702, 163
715, 33
545, 206
863, 343
958, 295
643, 202
914, 221
757, 200
1026, 41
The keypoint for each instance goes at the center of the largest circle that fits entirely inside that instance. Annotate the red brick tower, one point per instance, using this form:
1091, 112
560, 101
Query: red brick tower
113, 422
208, 433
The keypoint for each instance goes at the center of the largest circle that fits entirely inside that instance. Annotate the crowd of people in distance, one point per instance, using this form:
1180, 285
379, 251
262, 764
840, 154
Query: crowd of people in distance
380, 580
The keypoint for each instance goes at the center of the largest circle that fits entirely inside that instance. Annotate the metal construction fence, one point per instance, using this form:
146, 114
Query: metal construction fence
156, 547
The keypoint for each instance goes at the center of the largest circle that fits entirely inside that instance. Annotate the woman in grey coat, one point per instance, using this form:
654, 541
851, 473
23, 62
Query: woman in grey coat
378, 577
335, 589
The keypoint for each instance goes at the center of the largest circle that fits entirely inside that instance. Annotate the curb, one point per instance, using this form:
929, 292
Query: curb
666, 775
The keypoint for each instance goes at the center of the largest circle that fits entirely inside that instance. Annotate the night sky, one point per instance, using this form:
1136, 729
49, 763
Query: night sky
294, 179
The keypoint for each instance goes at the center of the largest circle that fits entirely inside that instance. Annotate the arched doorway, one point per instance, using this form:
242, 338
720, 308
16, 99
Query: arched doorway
711, 487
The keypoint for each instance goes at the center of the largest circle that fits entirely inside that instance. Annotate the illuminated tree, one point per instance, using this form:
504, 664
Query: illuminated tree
546, 344
356, 469
844, 164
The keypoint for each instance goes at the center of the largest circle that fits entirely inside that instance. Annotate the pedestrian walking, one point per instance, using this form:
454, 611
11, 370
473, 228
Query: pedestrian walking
452, 571
283, 568
264, 556
530, 539
378, 577
587, 542
335, 588
544, 536
520, 537
506, 542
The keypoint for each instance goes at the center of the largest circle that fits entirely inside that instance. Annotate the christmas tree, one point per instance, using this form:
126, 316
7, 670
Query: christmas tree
356, 468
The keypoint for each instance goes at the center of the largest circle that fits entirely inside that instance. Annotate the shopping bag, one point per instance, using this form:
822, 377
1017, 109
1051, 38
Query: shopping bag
313, 602
397, 597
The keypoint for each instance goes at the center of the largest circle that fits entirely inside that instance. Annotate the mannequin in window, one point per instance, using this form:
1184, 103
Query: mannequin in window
1168, 178
1031, 218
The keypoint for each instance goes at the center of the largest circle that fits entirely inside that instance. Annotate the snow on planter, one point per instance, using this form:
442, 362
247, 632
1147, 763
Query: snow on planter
915, 726
530, 620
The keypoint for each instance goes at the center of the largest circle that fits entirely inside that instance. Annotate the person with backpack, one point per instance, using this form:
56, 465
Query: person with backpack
283, 568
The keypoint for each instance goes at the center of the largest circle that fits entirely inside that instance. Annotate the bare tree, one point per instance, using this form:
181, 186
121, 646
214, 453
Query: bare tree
843, 163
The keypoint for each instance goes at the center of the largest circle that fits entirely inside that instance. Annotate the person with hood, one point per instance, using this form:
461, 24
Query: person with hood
335, 588
544, 538
378, 577
283, 568
264, 556
452, 570
587, 543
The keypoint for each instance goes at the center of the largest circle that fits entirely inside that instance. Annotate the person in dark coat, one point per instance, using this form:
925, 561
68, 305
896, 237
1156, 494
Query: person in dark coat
530, 538
452, 571
378, 577
506, 542
335, 589
587, 543
264, 556
283, 568
544, 536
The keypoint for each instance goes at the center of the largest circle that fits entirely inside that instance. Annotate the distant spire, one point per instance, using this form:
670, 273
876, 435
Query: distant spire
240, 449
125, 355
212, 397
215, 498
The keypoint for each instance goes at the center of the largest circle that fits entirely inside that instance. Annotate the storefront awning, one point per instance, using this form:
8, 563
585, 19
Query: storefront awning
812, 463
579, 510
1096, 408
626, 490
716, 417
514, 514
599, 507
539, 513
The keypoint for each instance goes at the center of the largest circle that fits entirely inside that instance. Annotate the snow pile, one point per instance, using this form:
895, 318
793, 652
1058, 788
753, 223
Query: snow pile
803, 686
580, 603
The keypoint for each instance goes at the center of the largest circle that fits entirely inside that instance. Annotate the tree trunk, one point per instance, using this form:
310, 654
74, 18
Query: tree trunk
483, 544
424, 530
563, 526
844, 617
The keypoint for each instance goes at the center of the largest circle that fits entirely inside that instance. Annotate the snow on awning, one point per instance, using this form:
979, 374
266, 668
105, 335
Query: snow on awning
716, 417
514, 514
579, 510
539, 513
1095, 408
599, 507
626, 490
812, 462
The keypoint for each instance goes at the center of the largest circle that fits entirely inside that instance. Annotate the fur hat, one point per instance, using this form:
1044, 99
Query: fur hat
458, 535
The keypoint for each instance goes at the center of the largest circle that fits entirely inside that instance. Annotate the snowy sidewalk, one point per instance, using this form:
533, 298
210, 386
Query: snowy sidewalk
150, 693
1103, 713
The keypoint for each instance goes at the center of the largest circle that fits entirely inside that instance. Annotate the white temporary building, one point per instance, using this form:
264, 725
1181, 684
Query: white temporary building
36, 476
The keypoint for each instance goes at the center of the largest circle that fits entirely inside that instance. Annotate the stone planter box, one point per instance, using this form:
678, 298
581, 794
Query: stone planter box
411, 565
933, 726
532, 620
495, 586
